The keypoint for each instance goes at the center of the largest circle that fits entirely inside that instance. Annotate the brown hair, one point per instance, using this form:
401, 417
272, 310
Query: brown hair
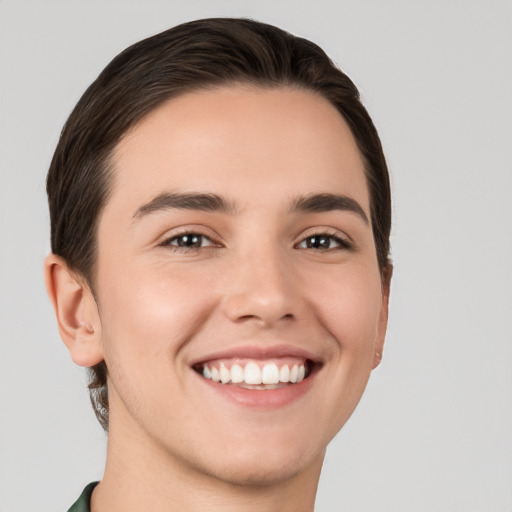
191, 56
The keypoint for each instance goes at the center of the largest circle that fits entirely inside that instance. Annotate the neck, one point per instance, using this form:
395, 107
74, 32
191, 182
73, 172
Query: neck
141, 475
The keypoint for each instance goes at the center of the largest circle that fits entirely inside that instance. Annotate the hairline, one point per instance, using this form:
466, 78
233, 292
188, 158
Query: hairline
108, 163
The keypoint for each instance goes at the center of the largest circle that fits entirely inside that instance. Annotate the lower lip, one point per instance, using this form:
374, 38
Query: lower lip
261, 398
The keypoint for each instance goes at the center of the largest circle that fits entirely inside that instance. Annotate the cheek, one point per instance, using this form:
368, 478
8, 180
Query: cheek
349, 302
149, 315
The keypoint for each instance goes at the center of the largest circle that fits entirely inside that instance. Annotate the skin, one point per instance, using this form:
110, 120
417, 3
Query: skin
173, 443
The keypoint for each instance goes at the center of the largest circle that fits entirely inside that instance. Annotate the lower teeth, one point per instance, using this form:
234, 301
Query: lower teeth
261, 386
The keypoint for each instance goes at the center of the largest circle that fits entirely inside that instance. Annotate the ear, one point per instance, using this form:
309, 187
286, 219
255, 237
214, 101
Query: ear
76, 311
383, 317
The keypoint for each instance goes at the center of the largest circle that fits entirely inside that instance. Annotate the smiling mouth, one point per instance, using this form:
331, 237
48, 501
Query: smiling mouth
257, 374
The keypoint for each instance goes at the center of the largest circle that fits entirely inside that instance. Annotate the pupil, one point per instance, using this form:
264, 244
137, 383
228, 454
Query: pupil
189, 241
318, 242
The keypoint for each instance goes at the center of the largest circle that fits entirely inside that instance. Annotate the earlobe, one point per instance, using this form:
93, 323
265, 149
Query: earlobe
383, 319
76, 311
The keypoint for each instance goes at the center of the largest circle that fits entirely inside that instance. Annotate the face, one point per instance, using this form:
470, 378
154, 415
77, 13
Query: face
239, 294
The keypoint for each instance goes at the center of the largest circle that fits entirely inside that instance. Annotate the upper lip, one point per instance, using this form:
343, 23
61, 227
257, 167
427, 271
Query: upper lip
258, 352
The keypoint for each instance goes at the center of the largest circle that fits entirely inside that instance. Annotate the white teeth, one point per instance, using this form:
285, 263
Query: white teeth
215, 374
237, 374
225, 375
294, 373
270, 374
284, 374
252, 374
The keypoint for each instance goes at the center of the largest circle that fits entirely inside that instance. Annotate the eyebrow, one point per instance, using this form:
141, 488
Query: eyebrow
315, 203
183, 201
318, 203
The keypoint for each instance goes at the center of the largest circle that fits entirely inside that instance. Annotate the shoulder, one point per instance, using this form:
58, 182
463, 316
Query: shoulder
82, 504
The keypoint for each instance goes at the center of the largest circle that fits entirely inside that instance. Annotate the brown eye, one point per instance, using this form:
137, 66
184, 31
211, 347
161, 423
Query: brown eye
189, 241
323, 242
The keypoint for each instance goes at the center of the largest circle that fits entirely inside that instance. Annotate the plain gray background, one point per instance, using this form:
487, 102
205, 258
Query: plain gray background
434, 429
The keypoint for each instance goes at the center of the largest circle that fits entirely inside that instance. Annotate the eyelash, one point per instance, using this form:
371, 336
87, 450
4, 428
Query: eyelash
184, 236
310, 241
343, 243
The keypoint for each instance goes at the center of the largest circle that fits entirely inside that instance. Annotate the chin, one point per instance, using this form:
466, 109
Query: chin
257, 472
261, 464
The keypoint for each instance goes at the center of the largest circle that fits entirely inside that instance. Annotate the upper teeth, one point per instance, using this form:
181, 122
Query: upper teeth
253, 374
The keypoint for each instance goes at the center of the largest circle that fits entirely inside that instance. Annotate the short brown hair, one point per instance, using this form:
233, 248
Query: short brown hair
195, 55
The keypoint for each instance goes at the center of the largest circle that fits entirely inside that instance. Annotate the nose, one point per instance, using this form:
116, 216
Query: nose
262, 290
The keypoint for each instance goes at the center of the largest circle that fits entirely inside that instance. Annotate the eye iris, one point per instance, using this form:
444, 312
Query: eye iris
318, 242
189, 241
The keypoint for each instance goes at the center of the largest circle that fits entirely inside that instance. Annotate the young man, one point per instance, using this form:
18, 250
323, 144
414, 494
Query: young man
220, 213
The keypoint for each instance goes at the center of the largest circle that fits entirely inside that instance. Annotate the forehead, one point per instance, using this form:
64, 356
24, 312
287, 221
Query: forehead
240, 141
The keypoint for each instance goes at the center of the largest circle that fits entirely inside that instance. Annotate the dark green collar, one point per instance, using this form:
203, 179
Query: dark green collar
83, 504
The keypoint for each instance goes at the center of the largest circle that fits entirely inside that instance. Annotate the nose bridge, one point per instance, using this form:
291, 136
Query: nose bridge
262, 286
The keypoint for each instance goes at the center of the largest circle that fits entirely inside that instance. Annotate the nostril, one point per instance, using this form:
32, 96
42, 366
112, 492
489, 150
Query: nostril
266, 300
